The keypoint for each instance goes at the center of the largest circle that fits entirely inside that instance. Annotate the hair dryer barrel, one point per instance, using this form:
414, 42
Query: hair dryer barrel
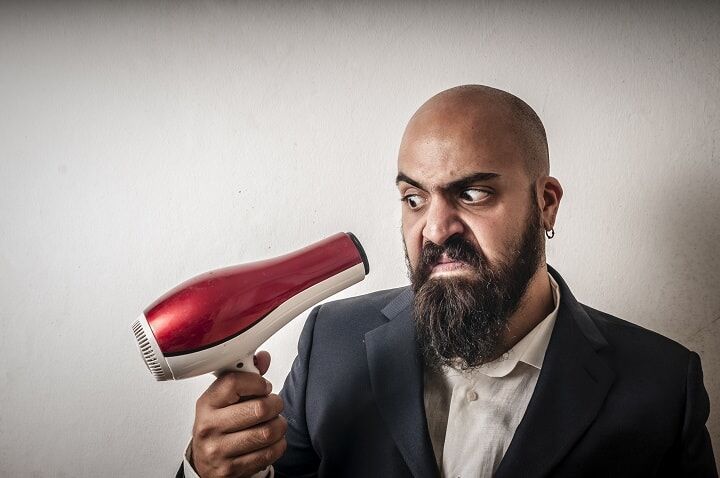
216, 321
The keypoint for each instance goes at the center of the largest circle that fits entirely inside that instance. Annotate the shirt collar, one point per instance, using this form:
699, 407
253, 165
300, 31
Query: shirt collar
531, 348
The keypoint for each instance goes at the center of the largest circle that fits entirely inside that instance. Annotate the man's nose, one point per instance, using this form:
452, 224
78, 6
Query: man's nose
441, 222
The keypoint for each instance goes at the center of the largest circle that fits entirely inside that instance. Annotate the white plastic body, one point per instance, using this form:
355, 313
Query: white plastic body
245, 364
226, 357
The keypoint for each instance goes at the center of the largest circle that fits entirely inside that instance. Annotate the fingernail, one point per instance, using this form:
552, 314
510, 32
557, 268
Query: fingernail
268, 386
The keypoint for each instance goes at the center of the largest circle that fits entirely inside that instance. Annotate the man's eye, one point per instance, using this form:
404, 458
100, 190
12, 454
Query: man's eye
474, 195
413, 201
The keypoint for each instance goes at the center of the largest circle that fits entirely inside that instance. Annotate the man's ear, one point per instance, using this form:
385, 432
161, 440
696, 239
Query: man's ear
550, 193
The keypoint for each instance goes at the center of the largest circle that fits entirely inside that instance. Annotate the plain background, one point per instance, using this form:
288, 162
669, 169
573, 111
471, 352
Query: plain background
142, 143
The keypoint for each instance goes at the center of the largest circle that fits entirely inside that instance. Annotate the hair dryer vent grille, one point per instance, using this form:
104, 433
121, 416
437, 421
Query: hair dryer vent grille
148, 354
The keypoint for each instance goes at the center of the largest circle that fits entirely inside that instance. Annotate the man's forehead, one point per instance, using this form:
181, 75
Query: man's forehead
440, 162
461, 148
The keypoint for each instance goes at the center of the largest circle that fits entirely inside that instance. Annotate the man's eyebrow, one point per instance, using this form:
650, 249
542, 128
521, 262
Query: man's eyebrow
457, 184
404, 178
468, 180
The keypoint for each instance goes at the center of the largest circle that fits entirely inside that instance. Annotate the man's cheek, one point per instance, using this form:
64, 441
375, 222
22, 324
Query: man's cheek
412, 248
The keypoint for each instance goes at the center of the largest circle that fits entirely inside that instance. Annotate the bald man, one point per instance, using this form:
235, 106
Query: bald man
486, 365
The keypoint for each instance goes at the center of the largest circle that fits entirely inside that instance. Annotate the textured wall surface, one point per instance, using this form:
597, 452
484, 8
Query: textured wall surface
143, 143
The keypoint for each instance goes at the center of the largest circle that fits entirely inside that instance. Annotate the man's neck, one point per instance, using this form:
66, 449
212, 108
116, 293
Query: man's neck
536, 304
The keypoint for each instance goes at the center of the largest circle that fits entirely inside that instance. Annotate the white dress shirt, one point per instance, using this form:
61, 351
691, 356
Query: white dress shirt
472, 416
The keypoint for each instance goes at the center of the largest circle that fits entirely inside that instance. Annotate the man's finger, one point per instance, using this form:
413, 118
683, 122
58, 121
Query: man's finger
233, 387
254, 438
262, 361
248, 413
260, 459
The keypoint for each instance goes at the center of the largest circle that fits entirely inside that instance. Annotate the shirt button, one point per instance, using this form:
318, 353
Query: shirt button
472, 396
506, 356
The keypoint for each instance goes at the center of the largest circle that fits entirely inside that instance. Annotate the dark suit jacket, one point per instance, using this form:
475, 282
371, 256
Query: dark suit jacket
612, 399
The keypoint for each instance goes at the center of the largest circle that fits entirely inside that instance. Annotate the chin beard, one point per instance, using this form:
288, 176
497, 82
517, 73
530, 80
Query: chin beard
460, 320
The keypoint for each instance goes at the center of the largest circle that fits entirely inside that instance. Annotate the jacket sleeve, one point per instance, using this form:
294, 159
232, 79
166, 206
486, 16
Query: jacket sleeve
696, 453
300, 459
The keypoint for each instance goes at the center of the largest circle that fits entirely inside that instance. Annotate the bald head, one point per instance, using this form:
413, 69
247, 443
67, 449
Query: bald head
483, 115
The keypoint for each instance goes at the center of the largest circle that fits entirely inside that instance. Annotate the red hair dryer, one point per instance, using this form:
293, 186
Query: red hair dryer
214, 322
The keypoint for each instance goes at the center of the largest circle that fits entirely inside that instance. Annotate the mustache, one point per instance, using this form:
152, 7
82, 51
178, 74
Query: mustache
456, 248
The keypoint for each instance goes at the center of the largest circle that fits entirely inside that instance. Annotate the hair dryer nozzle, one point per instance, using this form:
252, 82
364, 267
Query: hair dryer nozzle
361, 251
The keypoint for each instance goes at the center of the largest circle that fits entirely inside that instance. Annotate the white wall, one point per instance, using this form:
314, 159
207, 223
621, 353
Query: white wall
143, 143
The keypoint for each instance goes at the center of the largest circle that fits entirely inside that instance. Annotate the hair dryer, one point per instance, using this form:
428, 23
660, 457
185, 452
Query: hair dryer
214, 322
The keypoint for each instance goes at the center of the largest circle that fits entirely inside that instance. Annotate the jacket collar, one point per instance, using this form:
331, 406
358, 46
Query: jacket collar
396, 378
570, 390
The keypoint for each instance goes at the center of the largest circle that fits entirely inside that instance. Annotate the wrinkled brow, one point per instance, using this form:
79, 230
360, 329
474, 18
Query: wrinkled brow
454, 185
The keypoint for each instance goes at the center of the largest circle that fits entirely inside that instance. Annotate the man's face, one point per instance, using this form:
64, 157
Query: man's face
472, 232
457, 182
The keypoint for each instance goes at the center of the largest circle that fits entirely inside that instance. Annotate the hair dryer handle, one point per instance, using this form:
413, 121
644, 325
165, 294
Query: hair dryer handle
244, 364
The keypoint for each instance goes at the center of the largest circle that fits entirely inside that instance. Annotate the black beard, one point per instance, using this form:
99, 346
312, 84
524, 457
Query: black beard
460, 320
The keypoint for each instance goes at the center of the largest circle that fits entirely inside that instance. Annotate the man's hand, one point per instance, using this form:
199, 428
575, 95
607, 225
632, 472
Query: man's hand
238, 430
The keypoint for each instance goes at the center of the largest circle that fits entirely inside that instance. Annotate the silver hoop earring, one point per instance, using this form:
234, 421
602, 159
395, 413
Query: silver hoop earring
550, 234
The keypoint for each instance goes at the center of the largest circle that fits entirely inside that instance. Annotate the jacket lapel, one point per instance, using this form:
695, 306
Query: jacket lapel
396, 377
571, 388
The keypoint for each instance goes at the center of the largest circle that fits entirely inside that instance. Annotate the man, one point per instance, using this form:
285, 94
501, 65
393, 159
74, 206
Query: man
486, 365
